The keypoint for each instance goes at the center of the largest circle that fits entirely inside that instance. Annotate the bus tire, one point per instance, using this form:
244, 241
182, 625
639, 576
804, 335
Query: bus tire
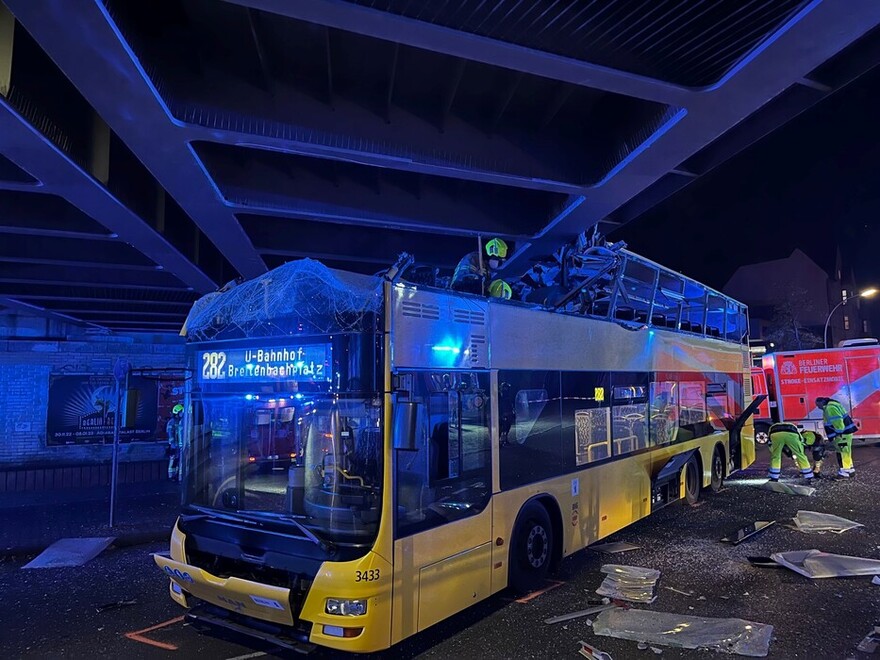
717, 478
693, 480
531, 550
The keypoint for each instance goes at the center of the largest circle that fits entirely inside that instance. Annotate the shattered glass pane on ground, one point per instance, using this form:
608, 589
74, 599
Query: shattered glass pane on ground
690, 632
788, 489
614, 548
815, 564
70, 552
742, 534
631, 583
813, 521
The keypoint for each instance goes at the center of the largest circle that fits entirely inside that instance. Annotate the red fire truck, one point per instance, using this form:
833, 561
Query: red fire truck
793, 380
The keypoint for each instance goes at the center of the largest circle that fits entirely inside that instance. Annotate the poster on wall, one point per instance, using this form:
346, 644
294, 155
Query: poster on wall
82, 409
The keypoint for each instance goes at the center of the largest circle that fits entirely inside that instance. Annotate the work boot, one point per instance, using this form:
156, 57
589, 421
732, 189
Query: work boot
817, 475
842, 474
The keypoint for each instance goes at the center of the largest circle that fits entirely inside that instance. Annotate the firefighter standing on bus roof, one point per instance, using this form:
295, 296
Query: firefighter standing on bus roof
471, 278
174, 428
785, 436
839, 428
814, 442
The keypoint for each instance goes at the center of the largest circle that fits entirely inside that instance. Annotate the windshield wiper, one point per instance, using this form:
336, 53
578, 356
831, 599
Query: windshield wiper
217, 515
325, 545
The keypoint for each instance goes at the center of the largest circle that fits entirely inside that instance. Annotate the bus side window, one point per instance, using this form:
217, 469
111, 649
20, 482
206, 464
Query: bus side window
664, 412
530, 427
629, 412
448, 475
586, 417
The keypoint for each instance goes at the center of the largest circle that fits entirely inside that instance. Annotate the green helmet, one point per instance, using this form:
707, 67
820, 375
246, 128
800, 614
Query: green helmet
500, 289
497, 248
176, 410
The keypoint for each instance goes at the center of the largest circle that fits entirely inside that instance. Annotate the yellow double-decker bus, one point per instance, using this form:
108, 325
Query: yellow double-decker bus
438, 447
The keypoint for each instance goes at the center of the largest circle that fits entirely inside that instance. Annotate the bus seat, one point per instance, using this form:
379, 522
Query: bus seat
624, 445
658, 320
625, 313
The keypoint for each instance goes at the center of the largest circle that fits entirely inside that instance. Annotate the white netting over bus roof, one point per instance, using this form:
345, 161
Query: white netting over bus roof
299, 297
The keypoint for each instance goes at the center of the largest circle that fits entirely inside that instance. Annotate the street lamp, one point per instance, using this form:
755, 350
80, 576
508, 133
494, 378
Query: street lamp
867, 293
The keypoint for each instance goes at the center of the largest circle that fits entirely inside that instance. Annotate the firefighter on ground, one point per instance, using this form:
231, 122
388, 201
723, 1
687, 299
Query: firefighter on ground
174, 428
786, 436
472, 276
839, 427
816, 443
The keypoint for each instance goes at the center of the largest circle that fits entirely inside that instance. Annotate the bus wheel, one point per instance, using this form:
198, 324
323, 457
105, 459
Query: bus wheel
692, 480
717, 470
532, 548
762, 434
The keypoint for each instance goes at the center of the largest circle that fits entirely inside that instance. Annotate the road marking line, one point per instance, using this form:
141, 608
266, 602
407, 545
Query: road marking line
553, 584
136, 635
258, 654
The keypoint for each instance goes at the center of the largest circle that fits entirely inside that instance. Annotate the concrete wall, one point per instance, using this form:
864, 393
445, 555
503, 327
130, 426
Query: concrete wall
25, 366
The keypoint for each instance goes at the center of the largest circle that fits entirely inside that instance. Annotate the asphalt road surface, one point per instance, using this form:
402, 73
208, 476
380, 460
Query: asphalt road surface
52, 613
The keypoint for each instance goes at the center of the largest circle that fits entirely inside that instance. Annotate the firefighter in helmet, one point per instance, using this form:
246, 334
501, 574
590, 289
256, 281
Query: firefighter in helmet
471, 278
839, 427
786, 437
174, 428
817, 445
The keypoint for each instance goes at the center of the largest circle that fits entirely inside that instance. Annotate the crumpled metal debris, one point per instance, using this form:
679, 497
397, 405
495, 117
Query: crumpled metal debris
816, 564
631, 583
813, 521
876, 580
736, 636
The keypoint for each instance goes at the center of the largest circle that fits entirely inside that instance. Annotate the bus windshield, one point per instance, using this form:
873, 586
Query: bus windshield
315, 459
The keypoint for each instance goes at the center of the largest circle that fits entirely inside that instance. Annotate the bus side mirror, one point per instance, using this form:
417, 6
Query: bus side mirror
406, 418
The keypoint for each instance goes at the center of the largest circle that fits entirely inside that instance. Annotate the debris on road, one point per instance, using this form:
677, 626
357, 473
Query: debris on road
816, 564
578, 614
614, 548
679, 591
763, 562
748, 531
630, 583
788, 489
813, 521
592, 653
876, 580
690, 632
115, 606
70, 552
870, 642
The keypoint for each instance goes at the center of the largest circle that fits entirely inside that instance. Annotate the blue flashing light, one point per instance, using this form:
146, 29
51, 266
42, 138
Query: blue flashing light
248, 397
446, 349
298, 395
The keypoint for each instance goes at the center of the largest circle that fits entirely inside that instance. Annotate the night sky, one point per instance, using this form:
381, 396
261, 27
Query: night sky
813, 184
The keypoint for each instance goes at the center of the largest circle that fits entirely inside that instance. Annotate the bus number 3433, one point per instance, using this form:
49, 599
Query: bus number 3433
212, 365
370, 575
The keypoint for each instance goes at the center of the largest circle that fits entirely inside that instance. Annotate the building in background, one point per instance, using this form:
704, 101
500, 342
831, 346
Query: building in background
789, 301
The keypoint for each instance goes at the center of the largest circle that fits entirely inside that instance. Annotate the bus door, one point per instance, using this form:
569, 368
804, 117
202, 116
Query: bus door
863, 376
443, 488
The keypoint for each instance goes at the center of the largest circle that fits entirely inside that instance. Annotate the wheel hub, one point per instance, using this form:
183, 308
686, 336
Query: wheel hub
537, 546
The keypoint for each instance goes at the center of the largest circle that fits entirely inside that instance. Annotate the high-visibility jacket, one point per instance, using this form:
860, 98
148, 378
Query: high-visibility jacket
836, 420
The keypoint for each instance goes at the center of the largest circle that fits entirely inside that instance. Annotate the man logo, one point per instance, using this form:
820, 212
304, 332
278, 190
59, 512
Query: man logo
788, 369
177, 574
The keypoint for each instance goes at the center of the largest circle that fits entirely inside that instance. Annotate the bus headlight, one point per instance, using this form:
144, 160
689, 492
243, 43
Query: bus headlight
346, 607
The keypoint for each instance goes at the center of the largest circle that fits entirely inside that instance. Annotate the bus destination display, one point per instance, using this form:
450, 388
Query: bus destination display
310, 362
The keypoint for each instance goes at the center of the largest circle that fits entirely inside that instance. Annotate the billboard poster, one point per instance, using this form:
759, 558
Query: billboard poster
82, 409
